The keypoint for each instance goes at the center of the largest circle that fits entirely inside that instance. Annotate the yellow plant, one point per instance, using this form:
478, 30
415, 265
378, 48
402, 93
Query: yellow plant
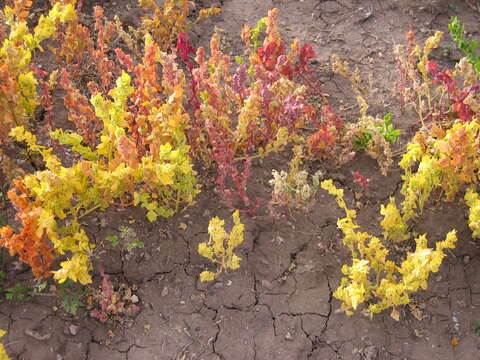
3, 352
140, 158
374, 279
219, 248
169, 19
18, 84
473, 201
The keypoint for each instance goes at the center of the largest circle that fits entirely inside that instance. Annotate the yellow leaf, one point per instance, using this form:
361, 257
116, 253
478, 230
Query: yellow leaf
207, 276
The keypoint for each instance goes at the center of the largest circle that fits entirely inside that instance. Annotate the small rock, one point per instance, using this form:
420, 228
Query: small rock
59, 357
267, 284
466, 259
134, 299
36, 335
288, 336
164, 291
74, 329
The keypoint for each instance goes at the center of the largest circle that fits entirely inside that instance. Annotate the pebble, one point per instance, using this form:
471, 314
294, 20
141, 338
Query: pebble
466, 259
267, 284
134, 299
164, 291
74, 329
288, 336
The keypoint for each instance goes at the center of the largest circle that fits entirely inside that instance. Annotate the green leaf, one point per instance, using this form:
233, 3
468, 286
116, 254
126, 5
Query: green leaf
112, 239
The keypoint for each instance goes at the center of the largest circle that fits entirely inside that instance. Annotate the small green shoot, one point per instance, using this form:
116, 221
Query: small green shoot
39, 287
469, 47
134, 244
256, 31
70, 296
113, 239
127, 238
476, 327
19, 292
387, 130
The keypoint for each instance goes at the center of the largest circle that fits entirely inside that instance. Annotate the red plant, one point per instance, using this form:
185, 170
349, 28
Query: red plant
111, 302
321, 143
361, 180
241, 110
456, 95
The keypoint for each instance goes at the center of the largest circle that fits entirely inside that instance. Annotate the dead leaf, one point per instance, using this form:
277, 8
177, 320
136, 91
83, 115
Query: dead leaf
416, 312
36, 335
182, 226
395, 314
454, 341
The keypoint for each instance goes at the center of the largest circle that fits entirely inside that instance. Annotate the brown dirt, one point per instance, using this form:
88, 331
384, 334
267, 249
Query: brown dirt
279, 304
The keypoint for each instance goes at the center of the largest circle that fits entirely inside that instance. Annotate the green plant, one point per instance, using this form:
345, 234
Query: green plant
469, 47
19, 292
71, 296
476, 327
113, 240
39, 286
128, 239
386, 129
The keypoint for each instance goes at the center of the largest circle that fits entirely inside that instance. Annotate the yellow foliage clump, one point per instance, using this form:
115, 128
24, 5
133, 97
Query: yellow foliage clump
373, 278
219, 248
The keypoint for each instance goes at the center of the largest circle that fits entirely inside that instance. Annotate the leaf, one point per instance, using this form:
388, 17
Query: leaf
207, 276
182, 226
152, 216
395, 314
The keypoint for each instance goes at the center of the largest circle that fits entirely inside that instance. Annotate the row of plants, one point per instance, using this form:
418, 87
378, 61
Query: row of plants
149, 110
136, 135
